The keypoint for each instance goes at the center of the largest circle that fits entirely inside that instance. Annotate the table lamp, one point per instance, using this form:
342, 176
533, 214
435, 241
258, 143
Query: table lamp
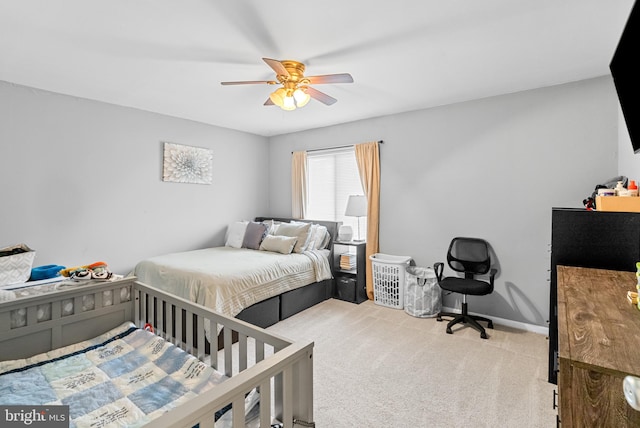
357, 207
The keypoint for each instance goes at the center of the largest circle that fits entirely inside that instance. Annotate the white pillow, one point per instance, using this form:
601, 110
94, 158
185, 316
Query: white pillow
325, 241
278, 244
309, 245
320, 239
235, 234
311, 238
300, 231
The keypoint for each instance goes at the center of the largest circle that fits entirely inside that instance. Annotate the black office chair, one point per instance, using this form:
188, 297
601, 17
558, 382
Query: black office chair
471, 256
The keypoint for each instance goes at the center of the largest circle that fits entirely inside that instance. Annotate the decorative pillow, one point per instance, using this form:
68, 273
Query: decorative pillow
253, 235
325, 241
310, 237
278, 244
309, 245
311, 240
235, 234
321, 238
300, 231
272, 226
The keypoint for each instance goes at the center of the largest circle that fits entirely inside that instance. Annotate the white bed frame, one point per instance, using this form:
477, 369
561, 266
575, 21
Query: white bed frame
281, 369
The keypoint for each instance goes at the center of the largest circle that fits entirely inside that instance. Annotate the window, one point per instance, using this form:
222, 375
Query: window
332, 176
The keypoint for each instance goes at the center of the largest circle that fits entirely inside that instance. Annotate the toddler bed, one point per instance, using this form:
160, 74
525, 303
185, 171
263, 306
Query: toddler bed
91, 352
248, 280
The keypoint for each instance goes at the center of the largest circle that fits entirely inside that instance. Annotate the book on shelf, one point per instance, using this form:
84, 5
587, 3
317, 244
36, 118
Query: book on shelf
348, 261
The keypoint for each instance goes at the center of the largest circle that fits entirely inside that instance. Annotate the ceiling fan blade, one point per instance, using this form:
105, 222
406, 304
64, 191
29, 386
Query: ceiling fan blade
331, 78
320, 96
276, 66
250, 82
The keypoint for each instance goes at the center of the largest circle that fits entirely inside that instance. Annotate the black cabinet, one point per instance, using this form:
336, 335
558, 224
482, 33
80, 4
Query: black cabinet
595, 239
349, 271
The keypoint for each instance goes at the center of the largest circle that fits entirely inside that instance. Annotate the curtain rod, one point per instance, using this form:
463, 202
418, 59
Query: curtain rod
336, 147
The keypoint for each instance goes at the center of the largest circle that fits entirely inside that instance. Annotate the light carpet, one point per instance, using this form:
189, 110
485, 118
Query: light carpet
380, 367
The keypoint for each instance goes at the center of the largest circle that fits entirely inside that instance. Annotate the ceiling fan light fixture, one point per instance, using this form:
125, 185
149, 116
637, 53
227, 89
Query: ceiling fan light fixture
301, 97
277, 96
288, 103
295, 91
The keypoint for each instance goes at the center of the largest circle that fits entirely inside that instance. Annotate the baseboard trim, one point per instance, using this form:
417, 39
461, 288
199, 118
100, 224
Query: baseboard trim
507, 323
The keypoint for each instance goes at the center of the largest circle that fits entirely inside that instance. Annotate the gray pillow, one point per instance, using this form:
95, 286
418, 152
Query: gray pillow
253, 235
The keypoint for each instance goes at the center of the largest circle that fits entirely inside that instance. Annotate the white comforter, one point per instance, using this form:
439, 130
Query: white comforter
228, 279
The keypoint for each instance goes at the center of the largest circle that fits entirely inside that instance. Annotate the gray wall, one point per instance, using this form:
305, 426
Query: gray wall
82, 181
491, 168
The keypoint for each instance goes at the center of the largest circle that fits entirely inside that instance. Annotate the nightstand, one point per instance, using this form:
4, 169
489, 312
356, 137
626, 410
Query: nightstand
349, 271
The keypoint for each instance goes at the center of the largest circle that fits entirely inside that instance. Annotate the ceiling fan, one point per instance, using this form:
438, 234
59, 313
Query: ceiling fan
295, 91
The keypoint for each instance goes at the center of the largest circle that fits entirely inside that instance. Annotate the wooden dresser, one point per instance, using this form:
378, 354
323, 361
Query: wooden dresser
598, 344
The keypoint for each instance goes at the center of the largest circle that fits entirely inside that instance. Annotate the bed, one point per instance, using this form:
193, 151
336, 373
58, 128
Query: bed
80, 323
280, 285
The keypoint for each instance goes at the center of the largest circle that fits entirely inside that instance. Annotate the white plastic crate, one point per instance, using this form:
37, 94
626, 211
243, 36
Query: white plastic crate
388, 279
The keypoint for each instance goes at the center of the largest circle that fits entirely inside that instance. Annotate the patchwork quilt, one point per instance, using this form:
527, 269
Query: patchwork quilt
126, 377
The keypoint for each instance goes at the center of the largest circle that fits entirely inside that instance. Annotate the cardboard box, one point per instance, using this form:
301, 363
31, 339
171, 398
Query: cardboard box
630, 204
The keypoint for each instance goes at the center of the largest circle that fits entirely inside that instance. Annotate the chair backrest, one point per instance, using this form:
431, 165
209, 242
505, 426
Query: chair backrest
469, 255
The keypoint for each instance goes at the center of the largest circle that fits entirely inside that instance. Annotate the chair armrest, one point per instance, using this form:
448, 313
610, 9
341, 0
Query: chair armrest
492, 274
438, 268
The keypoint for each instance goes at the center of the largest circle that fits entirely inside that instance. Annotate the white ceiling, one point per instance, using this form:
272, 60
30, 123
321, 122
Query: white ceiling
169, 56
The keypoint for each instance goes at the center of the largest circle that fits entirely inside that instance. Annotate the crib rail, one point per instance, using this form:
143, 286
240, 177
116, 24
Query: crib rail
287, 363
61, 314
280, 368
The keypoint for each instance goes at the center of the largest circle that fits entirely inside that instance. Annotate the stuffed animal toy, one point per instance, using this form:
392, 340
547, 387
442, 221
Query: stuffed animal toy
97, 270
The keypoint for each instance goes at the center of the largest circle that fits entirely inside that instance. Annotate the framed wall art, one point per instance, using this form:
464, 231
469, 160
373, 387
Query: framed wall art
187, 164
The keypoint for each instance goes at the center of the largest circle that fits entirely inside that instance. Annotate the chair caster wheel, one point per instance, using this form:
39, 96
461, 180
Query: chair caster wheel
439, 319
449, 330
490, 324
483, 335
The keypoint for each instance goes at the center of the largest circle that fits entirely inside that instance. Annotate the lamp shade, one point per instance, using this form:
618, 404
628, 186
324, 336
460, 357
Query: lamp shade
288, 103
356, 206
301, 97
277, 97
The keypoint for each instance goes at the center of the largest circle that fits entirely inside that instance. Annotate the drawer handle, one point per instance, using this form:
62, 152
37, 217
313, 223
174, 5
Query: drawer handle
555, 402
